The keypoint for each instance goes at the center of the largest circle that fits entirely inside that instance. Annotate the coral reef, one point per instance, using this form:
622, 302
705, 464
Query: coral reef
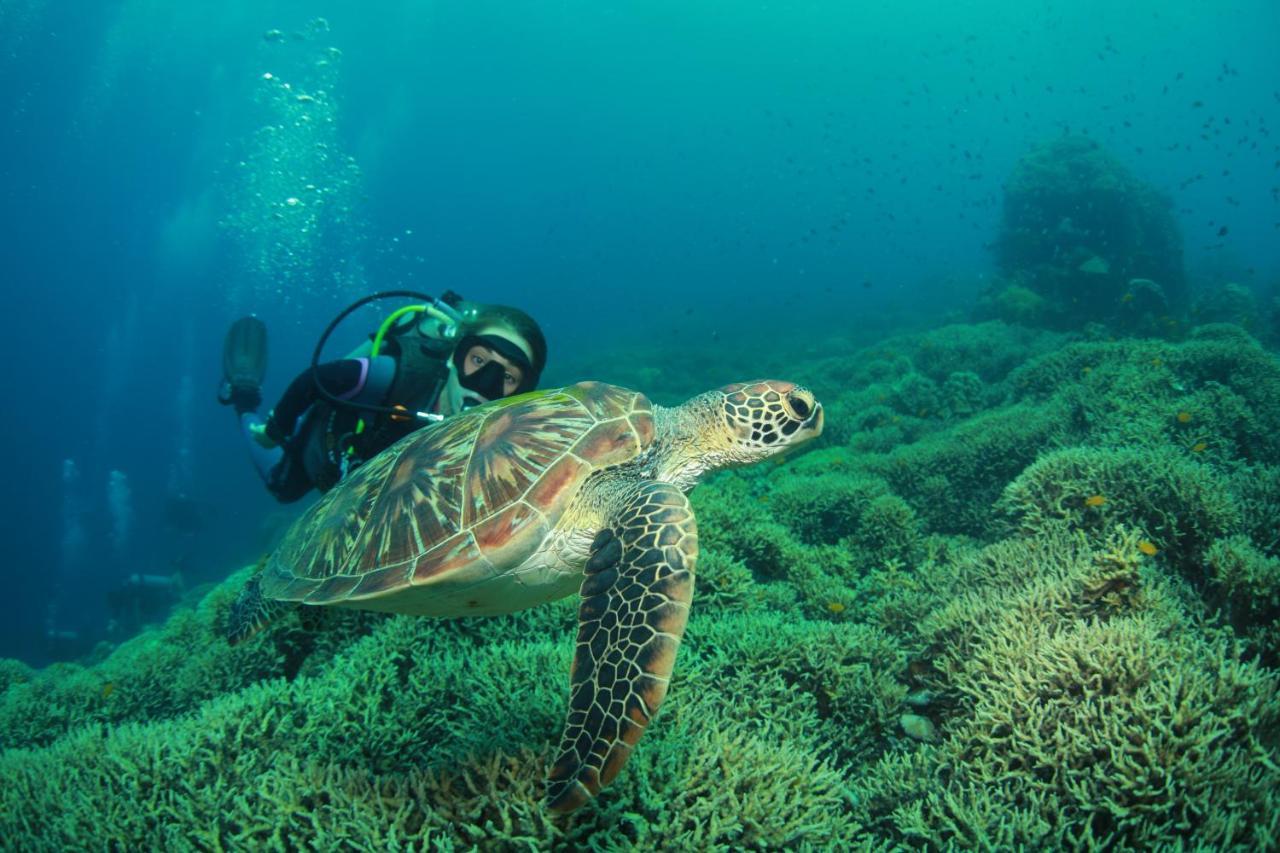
1084, 240
1079, 709
1024, 593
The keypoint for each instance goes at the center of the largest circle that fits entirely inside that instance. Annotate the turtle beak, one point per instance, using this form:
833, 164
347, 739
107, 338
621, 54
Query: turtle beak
814, 421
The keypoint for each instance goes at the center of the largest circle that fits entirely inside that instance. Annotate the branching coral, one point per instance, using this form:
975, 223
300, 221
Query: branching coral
1245, 583
951, 479
1068, 688
1181, 504
1080, 710
416, 736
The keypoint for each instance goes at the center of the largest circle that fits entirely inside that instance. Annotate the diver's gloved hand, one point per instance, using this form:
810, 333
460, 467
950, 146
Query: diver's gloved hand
246, 397
261, 436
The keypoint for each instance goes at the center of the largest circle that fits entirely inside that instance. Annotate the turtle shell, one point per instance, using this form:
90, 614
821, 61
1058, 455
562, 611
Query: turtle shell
466, 499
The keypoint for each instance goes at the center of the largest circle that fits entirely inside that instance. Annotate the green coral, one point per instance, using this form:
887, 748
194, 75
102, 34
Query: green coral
1245, 584
1077, 709
1182, 505
413, 734
1014, 303
947, 566
824, 508
1077, 229
952, 478
1229, 303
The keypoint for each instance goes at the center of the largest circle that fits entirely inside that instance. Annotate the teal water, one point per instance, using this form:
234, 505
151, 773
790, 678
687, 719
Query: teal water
1022, 592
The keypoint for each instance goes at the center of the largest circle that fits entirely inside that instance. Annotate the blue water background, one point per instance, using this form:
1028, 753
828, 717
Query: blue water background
625, 171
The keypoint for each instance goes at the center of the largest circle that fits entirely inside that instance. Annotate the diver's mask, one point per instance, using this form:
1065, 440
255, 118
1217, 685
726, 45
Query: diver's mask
488, 382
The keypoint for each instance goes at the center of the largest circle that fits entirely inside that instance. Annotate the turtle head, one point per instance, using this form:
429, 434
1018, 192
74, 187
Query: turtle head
738, 425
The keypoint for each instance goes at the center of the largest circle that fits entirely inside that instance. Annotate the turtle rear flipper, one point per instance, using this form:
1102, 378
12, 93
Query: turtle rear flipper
251, 612
635, 602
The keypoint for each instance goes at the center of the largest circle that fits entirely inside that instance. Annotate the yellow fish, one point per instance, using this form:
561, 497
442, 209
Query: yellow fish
1148, 548
1199, 447
835, 607
108, 689
1184, 417
1094, 500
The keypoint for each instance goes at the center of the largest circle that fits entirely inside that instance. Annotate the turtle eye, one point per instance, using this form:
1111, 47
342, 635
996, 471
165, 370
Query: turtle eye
800, 403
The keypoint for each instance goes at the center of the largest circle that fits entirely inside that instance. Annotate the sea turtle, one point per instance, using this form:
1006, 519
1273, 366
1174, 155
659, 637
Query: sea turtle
530, 499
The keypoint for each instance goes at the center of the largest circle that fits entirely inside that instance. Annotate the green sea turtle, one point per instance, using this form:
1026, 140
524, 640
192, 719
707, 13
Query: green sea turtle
531, 499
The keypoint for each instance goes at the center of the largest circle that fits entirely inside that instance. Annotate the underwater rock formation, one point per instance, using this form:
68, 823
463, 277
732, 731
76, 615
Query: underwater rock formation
1078, 228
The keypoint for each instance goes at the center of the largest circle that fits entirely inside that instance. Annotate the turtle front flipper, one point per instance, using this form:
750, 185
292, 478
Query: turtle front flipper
635, 602
251, 611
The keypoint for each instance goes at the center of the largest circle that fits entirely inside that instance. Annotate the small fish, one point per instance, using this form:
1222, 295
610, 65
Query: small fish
1148, 548
108, 689
1199, 447
1128, 297
1095, 500
1222, 232
1184, 417
835, 607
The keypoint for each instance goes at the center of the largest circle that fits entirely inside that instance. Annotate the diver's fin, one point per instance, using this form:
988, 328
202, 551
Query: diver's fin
244, 364
251, 612
244, 353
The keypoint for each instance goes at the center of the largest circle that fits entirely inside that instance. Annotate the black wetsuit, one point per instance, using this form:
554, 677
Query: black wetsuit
339, 378
315, 434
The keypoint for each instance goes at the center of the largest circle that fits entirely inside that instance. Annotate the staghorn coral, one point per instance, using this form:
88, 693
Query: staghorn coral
160, 673
952, 478
1245, 583
1228, 303
1080, 708
824, 508
1256, 489
1132, 392
990, 350
1181, 504
1013, 303
415, 735
1078, 693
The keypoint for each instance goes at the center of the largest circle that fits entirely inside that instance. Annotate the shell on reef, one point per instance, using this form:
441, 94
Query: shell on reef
920, 728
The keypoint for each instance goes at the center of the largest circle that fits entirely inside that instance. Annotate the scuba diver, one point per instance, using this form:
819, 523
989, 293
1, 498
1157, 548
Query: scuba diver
425, 363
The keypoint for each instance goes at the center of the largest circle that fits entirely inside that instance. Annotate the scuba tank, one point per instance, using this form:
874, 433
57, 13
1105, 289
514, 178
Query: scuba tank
407, 361
443, 312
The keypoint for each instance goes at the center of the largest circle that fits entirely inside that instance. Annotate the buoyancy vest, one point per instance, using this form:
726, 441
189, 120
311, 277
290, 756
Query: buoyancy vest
410, 371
